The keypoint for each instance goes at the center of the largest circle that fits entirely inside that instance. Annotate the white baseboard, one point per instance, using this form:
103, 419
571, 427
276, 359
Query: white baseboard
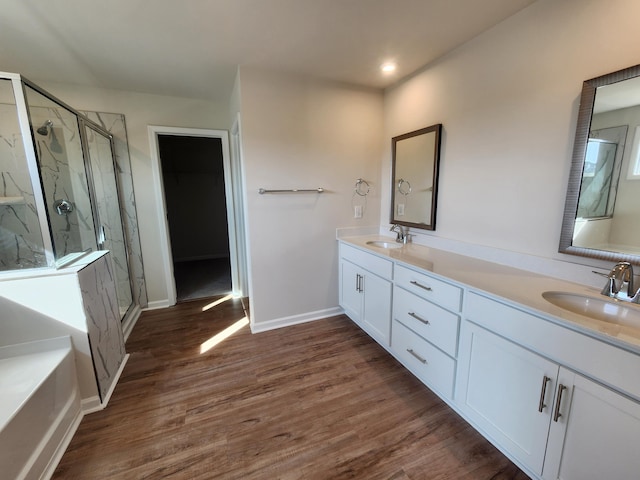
130, 321
295, 319
157, 304
93, 404
90, 405
116, 378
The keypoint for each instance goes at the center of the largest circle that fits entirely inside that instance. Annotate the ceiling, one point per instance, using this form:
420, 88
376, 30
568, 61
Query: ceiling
192, 48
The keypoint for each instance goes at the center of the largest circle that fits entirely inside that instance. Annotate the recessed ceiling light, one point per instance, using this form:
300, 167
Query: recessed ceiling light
388, 67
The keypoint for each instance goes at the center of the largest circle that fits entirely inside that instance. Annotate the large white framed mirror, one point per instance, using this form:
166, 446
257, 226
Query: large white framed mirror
414, 178
602, 209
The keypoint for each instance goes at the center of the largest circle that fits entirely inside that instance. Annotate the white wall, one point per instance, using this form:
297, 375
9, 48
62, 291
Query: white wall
141, 110
508, 102
303, 133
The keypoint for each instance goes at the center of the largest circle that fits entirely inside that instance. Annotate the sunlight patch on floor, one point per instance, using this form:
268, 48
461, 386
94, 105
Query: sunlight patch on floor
223, 335
217, 302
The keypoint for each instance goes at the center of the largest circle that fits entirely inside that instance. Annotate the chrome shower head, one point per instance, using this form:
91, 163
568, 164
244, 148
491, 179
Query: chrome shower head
44, 129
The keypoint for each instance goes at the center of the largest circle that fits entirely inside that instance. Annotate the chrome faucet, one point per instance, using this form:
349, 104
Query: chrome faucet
402, 235
620, 283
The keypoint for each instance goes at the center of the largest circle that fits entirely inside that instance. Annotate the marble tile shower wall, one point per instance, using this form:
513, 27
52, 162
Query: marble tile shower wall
20, 237
63, 178
115, 124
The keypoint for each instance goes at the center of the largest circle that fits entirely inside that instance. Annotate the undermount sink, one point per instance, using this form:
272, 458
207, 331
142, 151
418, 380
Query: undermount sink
611, 311
381, 244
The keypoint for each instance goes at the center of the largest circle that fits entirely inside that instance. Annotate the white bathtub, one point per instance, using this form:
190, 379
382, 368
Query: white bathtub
39, 406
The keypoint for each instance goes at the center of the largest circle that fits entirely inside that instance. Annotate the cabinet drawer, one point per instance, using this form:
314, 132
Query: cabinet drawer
430, 365
368, 261
431, 322
444, 294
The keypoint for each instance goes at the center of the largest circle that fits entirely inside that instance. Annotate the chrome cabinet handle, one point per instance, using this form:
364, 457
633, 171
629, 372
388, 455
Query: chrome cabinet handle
556, 412
413, 282
417, 317
543, 393
357, 282
420, 359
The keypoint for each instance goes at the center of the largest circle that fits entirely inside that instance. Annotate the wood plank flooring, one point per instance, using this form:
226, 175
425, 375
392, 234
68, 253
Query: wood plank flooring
314, 401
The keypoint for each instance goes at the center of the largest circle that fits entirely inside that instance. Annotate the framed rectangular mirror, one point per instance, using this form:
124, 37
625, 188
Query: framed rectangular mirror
602, 211
414, 178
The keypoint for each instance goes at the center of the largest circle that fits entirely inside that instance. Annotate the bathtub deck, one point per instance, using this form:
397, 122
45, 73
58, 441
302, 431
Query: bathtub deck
21, 373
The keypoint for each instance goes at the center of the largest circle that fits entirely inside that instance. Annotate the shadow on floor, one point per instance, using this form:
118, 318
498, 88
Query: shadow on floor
202, 278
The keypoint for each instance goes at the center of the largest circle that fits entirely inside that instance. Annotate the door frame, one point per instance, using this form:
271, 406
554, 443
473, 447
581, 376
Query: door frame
239, 199
165, 240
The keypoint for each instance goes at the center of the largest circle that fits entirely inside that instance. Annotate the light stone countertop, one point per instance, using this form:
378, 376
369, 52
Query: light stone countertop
519, 288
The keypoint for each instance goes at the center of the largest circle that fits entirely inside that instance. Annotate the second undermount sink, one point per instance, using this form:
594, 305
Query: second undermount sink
606, 310
381, 244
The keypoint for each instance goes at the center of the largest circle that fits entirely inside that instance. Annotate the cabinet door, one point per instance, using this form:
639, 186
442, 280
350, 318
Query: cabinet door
507, 391
597, 434
350, 290
376, 314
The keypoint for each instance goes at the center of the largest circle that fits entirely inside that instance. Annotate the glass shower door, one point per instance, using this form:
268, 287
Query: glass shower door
110, 230
56, 137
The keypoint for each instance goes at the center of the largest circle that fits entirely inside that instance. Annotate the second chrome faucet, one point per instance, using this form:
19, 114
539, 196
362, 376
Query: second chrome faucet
620, 284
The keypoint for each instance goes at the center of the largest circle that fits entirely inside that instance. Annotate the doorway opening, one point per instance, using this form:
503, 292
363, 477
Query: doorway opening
193, 178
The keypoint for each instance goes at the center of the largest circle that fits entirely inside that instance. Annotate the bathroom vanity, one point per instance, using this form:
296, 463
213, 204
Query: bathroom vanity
556, 391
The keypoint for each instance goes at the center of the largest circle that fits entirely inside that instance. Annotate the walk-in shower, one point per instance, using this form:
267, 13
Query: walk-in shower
59, 196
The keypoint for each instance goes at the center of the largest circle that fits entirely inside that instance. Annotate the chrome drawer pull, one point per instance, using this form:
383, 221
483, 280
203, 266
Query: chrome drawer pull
420, 359
556, 412
413, 282
543, 392
412, 314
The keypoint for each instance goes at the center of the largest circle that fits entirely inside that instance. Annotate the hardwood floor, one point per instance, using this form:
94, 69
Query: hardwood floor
314, 401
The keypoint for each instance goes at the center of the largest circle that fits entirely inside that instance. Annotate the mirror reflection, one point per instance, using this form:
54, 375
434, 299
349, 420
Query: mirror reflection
415, 177
602, 213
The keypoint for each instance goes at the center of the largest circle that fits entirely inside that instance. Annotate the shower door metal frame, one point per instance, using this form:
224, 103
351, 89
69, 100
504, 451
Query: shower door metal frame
85, 122
80, 118
28, 142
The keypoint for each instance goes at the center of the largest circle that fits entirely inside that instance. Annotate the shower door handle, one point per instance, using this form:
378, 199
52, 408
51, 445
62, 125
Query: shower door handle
101, 238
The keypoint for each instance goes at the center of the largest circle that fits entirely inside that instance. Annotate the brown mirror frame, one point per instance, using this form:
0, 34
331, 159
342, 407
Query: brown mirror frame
406, 188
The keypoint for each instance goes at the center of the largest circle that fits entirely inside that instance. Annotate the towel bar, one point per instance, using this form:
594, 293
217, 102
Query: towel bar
262, 191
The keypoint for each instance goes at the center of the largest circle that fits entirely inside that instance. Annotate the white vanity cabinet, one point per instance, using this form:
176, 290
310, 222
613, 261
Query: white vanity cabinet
365, 291
507, 393
595, 435
426, 316
556, 423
